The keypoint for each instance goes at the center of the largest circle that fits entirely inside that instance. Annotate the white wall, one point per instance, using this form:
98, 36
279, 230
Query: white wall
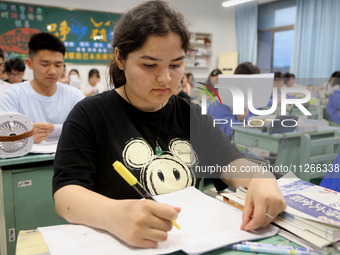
205, 16
222, 28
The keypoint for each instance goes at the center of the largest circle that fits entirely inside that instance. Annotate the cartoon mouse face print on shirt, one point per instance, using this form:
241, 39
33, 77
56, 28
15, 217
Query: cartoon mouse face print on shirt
161, 174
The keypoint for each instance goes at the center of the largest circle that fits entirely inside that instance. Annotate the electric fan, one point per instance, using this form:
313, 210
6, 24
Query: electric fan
16, 135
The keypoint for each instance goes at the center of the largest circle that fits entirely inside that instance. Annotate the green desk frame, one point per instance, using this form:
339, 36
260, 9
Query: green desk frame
294, 150
25, 197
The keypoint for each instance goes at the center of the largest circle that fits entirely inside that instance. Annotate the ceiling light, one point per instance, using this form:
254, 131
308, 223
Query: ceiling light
234, 2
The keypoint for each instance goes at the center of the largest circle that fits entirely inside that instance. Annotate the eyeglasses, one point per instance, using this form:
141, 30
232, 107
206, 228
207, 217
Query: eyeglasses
13, 75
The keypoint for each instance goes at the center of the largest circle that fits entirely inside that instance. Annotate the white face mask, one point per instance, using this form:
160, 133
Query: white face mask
75, 81
74, 77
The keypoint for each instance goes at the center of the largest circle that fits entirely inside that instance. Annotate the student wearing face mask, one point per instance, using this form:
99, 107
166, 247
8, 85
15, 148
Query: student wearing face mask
74, 78
93, 87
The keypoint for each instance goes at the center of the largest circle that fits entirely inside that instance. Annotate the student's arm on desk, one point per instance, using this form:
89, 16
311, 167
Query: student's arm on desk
140, 223
263, 196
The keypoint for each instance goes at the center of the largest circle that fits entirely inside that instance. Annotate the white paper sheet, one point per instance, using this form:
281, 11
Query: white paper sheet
206, 224
55, 134
45, 147
50, 144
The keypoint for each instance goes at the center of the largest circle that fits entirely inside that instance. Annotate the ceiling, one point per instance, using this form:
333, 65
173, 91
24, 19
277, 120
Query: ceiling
198, 6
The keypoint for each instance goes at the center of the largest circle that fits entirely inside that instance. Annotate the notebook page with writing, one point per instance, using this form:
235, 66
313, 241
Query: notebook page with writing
206, 224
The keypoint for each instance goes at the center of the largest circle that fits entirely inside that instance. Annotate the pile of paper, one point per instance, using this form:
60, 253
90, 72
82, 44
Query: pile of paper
312, 208
312, 213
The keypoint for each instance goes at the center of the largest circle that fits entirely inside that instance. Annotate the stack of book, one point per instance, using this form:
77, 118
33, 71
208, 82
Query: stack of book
312, 213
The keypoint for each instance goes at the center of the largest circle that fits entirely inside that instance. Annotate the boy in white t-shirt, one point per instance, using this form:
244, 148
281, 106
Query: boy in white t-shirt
44, 100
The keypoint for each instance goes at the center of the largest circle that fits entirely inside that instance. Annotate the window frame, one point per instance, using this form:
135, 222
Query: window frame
273, 30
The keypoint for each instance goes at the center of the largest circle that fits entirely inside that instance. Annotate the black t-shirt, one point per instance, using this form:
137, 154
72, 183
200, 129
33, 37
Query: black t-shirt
105, 128
184, 95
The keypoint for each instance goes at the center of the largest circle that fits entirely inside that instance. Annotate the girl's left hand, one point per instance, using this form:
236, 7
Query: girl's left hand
263, 204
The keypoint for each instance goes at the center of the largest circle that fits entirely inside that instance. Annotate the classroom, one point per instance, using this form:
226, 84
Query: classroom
124, 124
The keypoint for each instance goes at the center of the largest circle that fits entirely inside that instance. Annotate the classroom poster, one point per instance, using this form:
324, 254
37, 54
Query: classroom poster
87, 35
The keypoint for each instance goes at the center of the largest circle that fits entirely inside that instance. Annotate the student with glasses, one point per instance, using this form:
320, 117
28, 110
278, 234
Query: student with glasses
15, 70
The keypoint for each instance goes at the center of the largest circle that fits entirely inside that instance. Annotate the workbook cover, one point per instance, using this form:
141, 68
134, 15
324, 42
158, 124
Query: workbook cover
310, 201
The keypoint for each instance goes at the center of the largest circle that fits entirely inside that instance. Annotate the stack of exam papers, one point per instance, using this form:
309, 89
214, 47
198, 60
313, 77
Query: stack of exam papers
312, 208
206, 224
312, 213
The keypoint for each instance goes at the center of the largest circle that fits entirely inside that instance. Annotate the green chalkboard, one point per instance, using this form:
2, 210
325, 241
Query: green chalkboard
87, 35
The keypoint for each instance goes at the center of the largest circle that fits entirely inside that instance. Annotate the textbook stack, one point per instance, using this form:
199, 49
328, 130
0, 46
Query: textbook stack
312, 213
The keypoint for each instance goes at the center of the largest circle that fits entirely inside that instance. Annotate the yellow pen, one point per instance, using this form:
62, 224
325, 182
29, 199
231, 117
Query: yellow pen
132, 181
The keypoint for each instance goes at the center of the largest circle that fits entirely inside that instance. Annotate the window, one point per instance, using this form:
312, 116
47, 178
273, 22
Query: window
276, 36
283, 42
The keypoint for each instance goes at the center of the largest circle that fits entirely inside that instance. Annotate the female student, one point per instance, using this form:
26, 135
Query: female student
74, 77
93, 87
158, 136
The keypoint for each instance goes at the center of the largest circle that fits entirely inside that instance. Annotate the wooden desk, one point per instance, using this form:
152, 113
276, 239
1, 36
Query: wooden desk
293, 149
25, 197
31, 242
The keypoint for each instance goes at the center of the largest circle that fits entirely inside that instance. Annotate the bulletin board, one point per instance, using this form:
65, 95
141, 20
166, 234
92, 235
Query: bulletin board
87, 35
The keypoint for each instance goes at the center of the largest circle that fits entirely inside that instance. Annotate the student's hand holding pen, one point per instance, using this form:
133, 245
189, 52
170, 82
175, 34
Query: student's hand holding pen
143, 223
42, 131
149, 221
139, 223
264, 202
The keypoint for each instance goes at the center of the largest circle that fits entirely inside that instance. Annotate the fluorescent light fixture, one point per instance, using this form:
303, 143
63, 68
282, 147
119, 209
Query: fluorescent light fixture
234, 2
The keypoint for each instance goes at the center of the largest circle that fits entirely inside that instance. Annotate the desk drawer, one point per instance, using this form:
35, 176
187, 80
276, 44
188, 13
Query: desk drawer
256, 142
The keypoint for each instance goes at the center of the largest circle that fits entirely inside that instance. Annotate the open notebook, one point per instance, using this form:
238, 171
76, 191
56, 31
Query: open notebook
206, 224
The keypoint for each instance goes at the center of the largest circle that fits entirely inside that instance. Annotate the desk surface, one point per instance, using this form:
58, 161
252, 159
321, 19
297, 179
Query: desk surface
30, 158
31, 242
